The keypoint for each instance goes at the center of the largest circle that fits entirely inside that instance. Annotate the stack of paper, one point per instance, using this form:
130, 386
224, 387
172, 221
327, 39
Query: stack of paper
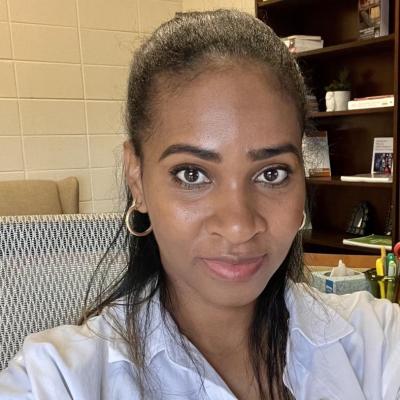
300, 43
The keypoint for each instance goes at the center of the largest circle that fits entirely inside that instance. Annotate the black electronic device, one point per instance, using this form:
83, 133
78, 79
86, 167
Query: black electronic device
360, 221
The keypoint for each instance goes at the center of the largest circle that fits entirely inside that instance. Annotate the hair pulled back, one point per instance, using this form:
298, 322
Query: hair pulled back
177, 52
193, 42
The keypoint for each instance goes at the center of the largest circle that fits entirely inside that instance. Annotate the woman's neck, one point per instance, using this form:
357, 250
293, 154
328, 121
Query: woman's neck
214, 330
221, 335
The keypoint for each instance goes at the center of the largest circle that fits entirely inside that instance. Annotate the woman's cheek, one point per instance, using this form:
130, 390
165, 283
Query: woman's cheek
171, 221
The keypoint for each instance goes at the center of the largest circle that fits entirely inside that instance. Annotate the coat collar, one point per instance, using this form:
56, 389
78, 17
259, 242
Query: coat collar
114, 318
162, 336
161, 333
317, 365
310, 316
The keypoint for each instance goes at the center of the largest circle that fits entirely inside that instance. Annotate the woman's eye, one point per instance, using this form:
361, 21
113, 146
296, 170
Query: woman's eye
273, 176
191, 176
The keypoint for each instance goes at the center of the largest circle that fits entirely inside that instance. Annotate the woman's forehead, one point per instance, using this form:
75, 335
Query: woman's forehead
237, 106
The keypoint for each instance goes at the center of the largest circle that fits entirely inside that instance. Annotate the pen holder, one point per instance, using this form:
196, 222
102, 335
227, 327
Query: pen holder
383, 287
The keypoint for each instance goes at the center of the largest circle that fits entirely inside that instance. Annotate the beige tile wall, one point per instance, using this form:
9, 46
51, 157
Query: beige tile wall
203, 5
63, 73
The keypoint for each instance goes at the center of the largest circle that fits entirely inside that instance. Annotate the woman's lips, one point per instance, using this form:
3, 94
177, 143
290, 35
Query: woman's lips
240, 271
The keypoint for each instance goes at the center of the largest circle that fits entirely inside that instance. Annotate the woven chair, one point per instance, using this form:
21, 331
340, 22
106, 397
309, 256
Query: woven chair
46, 264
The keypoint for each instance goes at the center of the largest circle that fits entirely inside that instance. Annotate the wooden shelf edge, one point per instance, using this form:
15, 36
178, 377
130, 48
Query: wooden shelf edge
333, 240
262, 4
356, 44
363, 111
335, 181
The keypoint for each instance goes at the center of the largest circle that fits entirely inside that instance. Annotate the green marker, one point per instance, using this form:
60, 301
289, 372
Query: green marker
392, 266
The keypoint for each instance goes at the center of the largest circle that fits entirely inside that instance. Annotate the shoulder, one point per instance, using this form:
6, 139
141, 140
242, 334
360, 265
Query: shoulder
375, 323
355, 308
64, 361
349, 342
67, 344
325, 318
362, 308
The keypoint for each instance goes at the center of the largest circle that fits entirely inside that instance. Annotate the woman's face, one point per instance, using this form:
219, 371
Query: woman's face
223, 184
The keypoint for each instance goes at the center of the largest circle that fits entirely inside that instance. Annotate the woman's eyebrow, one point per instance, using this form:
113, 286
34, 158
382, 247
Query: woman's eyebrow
204, 154
209, 155
268, 152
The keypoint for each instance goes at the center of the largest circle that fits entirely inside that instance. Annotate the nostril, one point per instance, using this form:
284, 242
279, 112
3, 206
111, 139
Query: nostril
236, 226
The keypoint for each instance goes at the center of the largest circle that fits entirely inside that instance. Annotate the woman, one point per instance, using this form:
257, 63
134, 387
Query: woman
208, 307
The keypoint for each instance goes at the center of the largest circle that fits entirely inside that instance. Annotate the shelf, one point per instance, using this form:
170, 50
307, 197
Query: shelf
364, 111
335, 181
368, 45
262, 4
267, 3
333, 240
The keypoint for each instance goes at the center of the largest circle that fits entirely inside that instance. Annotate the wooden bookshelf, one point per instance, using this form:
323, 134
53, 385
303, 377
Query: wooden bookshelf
374, 70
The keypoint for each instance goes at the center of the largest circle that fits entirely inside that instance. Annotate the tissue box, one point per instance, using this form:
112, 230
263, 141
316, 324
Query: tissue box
339, 284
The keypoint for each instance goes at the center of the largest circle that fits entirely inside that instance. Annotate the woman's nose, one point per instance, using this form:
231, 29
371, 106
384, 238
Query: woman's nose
235, 217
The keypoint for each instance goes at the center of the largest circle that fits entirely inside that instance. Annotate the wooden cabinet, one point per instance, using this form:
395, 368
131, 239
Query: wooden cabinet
374, 70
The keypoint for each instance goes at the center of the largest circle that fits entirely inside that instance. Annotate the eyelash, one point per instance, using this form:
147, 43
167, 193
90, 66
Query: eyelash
187, 186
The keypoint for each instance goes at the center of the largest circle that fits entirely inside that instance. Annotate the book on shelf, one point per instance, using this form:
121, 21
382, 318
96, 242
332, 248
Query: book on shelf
370, 241
300, 43
382, 156
381, 164
316, 154
373, 18
371, 102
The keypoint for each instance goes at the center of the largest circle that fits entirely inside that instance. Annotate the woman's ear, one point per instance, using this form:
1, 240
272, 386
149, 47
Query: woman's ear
133, 176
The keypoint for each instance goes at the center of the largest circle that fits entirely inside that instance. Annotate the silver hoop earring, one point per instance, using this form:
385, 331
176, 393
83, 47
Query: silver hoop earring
304, 221
131, 209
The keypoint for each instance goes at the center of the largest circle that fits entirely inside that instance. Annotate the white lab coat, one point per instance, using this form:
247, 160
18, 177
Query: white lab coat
339, 348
